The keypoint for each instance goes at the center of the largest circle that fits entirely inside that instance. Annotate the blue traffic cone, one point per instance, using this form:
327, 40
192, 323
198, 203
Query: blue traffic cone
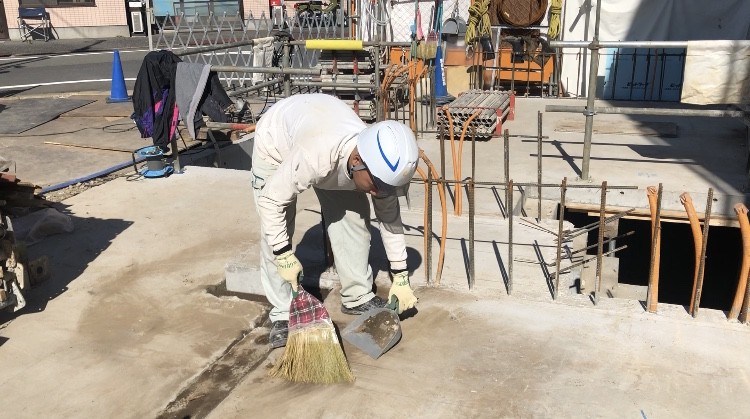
441, 91
118, 91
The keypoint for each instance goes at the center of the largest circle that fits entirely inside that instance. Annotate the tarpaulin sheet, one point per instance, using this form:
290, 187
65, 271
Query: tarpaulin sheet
646, 20
717, 72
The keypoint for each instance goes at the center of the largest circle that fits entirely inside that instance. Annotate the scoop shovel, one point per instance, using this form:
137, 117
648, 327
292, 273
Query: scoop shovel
375, 331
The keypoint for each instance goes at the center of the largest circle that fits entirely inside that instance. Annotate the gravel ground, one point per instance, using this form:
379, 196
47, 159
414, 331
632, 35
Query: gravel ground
73, 190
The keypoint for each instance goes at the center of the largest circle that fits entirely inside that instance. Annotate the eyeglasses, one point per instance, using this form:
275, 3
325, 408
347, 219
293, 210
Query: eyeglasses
382, 188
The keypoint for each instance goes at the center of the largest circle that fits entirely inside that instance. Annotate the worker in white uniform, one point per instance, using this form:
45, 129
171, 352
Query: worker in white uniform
316, 140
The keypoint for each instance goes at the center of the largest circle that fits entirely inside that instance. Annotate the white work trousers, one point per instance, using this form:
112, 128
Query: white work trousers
347, 219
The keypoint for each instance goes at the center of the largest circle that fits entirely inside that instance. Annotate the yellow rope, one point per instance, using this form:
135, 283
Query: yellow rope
555, 8
479, 21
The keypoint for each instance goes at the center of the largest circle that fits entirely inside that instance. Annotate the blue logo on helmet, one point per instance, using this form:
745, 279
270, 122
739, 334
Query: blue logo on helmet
388, 162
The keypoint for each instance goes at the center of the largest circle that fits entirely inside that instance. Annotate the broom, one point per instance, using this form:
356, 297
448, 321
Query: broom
313, 353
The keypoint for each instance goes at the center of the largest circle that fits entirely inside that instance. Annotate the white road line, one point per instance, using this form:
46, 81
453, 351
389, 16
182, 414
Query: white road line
77, 54
21, 86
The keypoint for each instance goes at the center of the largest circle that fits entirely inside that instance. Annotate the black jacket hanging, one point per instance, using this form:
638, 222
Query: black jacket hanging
154, 106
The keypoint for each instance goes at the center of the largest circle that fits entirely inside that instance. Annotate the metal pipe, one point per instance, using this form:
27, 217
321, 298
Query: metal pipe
591, 96
619, 44
473, 157
333, 84
531, 184
539, 165
472, 209
506, 155
600, 242
442, 152
376, 56
285, 65
428, 229
509, 194
230, 126
609, 241
585, 229
560, 221
272, 70
579, 263
254, 88
209, 48
702, 266
711, 113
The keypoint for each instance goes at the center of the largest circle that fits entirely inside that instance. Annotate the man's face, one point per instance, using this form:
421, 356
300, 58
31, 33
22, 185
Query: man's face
364, 182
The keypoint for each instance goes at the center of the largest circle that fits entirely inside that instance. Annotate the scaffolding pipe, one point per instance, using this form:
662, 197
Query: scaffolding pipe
210, 48
253, 88
619, 44
590, 110
711, 113
272, 70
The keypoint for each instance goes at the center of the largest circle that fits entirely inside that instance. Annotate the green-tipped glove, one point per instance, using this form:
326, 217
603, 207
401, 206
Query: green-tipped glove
402, 292
289, 268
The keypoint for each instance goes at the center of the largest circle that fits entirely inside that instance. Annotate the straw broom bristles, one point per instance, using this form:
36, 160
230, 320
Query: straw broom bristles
313, 354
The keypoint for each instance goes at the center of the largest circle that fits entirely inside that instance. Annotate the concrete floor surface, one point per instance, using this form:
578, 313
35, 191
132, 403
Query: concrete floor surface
126, 319
125, 326
470, 355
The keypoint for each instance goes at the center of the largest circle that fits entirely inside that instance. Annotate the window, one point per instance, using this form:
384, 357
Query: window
56, 3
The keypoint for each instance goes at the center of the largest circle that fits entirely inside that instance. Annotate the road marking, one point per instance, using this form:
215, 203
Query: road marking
53, 83
30, 57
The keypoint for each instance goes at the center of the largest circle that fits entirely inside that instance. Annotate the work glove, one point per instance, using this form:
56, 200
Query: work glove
402, 291
289, 268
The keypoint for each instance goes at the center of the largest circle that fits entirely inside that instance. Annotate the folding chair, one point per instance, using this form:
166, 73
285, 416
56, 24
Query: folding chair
33, 22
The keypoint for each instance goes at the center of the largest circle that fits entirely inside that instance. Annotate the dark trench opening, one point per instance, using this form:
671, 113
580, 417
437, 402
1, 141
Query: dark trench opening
677, 265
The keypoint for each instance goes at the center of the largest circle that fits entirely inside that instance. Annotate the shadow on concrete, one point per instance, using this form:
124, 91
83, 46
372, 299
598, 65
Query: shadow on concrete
69, 256
311, 251
501, 265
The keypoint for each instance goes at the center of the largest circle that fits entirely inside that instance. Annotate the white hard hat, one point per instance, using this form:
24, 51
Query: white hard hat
390, 152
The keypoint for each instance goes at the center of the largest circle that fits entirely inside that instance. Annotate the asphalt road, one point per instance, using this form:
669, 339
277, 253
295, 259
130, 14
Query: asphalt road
65, 73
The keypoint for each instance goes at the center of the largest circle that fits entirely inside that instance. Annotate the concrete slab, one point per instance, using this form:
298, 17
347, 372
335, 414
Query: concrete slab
17, 116
72, 147
154, 246
125, 320
465, 356
101, 108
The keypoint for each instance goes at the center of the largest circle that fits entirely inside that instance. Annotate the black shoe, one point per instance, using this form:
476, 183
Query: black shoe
376, 302
279, 334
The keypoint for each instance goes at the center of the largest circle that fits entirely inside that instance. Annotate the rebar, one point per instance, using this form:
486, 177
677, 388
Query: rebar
539, 165
704, 244
428, 230
509, 204
579, 263
472, 209
560, 221
585, 229
506, 155
652, 299
600, 242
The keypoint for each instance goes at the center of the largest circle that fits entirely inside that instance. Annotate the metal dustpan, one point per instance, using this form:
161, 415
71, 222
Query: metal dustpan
375, 331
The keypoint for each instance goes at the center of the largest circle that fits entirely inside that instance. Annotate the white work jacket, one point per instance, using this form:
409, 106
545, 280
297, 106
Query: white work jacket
309, 138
